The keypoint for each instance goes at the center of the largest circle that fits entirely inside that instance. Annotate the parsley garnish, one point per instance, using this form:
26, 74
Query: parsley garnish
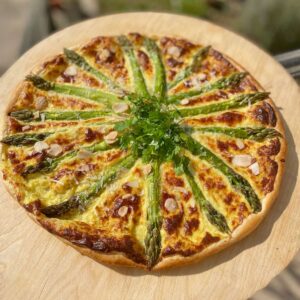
153, 132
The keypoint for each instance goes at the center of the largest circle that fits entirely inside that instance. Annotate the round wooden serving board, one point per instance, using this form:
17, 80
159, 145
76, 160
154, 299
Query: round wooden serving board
36, 265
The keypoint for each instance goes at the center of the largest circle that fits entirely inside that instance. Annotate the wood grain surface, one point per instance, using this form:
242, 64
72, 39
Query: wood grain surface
36, 265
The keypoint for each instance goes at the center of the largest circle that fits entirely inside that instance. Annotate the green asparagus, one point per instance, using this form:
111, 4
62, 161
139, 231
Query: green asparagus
81, 200
25, 139
236, 180
192, 68
235, 102
29, 115
257, 134
221, 83
213, 216
153, 238
81, 62
160, 84
71, 90
138, 79
49, 164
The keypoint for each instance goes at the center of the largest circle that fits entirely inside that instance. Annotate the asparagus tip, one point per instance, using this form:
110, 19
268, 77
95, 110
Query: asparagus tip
39, 82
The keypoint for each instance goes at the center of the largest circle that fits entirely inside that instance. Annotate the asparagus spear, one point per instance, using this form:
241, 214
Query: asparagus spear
235, 102
49, 164
257, 134
235, 179
222, 83
213, 216
153, 238
81, 200
68, 89
81, 62
29, 115
139, 82
160, 84
25, 139
192, 68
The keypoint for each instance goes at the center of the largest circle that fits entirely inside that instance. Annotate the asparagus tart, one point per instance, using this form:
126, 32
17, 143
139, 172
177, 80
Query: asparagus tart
143, 151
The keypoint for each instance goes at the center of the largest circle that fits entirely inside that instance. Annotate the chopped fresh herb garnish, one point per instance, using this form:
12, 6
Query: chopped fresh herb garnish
152, 133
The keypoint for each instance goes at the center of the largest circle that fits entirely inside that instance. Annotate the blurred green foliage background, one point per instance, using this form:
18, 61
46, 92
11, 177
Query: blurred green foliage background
273, 24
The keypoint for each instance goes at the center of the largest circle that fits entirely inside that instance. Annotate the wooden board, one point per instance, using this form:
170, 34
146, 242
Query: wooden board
36, 265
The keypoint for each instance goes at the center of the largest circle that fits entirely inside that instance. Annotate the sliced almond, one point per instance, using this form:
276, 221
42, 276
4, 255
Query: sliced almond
40, 146
195, 81
102, 129
43, 117
82, 154
127, 196
180, 189
174, 51
254, 168
122, 211
110, 142
55, 150
40, 103
184, 101
240, 144
111, 136
26, 127
193, 203
133, 184
83, 168
56, 181
202, 76
242, 160
147, 169
70, 71
171, 205
36, 114
104, 54
120, 107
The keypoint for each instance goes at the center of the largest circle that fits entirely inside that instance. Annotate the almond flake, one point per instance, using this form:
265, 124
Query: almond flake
122, 211
240, 144
26, 127
254, 168
56, 181
147, 169
193, 203
102, 129
120, 107
83, 168
40, 103
110, 141
184, 101
82, 154
195, 81
174, 51
40, 146
127, 196
36, 114
111, 136
133, 184
202, 76
171, 205
242, 160
54, 150
180, 189
70, 71
43, 117
104, 54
